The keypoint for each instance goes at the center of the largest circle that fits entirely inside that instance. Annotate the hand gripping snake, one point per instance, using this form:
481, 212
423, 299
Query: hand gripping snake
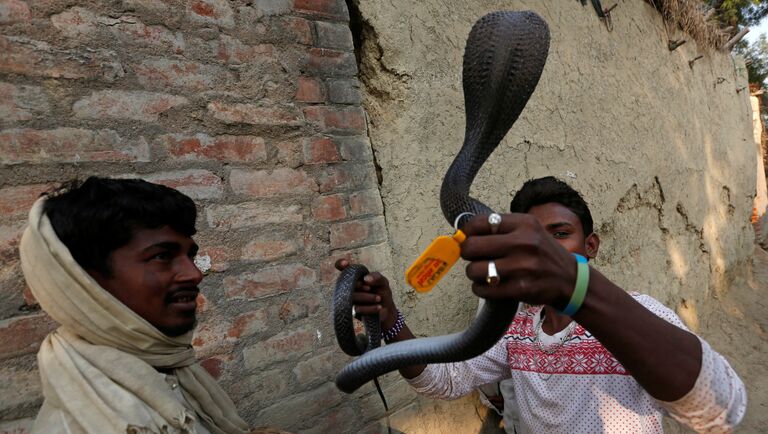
503, 60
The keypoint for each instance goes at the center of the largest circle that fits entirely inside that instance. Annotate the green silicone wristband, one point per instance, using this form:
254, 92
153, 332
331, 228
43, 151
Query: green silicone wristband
580, 290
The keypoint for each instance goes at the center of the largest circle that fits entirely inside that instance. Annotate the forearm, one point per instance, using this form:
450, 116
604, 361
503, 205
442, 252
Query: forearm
405, 334
663, 358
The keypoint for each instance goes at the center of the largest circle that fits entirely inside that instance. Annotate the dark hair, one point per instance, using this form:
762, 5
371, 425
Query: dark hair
100, 215
548, 190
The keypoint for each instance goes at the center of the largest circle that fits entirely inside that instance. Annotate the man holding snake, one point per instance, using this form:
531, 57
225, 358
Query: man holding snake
615, 361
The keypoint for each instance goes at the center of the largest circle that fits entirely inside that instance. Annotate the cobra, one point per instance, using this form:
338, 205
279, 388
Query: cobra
503, 60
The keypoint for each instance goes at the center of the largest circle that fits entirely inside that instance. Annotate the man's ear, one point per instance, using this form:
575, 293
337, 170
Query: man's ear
592, 245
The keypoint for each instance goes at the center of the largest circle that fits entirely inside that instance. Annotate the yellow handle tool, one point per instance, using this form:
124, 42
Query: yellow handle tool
435, 262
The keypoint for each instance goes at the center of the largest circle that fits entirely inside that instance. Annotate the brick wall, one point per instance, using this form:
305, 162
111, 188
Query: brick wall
253, 109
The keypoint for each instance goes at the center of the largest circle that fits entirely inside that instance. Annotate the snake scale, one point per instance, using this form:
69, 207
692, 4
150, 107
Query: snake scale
503, 60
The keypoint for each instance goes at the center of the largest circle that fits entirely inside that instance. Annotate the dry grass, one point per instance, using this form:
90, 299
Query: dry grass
688, 15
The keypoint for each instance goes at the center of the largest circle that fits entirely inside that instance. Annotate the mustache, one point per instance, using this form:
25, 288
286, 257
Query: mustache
184, 291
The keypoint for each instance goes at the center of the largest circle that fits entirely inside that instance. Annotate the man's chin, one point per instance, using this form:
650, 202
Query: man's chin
179, 330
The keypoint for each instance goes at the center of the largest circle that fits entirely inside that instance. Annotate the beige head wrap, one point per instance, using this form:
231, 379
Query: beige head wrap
99, 366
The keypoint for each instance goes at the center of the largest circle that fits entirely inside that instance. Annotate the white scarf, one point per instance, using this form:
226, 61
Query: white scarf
99, 366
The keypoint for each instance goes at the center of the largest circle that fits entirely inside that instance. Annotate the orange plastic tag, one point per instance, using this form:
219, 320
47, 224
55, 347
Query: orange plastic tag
434, 262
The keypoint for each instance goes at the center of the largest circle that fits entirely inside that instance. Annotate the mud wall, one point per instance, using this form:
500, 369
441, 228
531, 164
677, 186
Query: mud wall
660, 147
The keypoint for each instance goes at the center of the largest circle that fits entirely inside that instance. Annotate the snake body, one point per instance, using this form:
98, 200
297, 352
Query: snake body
503, 60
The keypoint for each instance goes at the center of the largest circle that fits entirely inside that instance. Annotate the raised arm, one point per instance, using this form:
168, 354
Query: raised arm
666, 360
446, 381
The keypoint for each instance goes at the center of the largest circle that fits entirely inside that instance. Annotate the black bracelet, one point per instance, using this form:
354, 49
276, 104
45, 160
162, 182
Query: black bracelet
396, 328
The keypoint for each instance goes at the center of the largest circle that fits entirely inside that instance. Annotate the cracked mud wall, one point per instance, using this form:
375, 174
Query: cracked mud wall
662, 151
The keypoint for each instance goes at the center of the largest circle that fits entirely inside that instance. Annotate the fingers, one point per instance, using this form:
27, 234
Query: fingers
375, 280
341, 264
366, 303
478, 225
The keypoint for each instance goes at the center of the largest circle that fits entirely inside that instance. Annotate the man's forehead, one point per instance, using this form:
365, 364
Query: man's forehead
145, 237
554, 213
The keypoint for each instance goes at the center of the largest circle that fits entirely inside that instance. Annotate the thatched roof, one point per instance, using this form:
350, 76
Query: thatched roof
691, 16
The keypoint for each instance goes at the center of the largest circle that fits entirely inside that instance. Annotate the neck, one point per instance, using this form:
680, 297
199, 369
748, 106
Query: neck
554, 321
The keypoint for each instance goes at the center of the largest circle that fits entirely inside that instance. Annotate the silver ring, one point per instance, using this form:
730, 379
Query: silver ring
493, 276
494, 220
458, 218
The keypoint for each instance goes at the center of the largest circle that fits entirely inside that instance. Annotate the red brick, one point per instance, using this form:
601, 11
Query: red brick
346, 120
293, 410
299, 29
16, 201
211, 338
331, 63
269, 281
267, 183
76, 22
333, 9
268, 249
216, 12
334, 178
272, 7
357, 232
254, 115
309, 89
334, 35
340, 418
365, 202
249, 214
318, 368
132, 31
233, 52
29, 298
249, 323
161, 73
201, 147
289, 154
22, 389
120, 104
296, 308
202, 303
329, 208
23, 335
13, 11
69, 145
375, 257
10, 234
214, 365
355, 148
38, 59
320, 150
195, 183
22, 103
345, 91
284, 346
220, 257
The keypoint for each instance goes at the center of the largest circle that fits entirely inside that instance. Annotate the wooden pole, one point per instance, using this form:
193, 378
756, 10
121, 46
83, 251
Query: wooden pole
729, 45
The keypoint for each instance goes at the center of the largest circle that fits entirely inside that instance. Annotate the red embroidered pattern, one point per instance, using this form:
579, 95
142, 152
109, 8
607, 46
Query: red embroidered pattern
581, 354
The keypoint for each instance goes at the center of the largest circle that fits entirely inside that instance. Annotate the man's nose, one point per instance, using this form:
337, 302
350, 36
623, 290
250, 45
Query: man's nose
189, 272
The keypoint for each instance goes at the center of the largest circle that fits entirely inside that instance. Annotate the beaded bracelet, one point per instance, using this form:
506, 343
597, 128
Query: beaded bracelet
393, 331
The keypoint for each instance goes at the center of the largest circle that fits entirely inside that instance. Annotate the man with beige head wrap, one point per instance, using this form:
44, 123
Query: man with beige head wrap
112, 262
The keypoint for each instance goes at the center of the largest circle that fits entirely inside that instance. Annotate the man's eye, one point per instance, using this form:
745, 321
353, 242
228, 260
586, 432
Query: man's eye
560, 235
163, 256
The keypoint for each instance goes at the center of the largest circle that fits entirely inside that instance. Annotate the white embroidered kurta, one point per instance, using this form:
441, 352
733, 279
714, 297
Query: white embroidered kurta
582, 388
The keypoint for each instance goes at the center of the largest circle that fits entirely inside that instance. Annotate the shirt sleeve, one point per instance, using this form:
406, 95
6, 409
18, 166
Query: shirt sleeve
454, 380
718, 400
